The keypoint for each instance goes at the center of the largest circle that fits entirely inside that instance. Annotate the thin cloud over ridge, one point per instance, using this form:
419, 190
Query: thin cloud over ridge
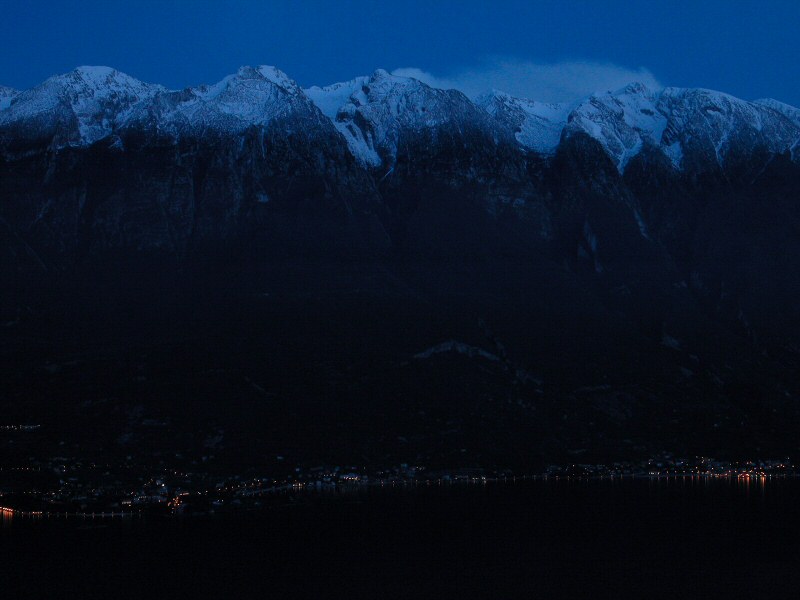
554, 82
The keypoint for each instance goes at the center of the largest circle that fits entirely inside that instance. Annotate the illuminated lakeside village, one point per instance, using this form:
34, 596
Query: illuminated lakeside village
71, 487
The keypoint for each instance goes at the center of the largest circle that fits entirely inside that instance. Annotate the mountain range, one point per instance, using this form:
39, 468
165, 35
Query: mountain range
414, 270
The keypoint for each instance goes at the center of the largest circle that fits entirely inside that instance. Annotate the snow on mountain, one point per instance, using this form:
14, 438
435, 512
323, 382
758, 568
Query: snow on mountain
789, 112
6, 95
622, 121
785, 109
712, 124
337, 97
536, 125
77, 108
251, 96
377, 114
703, 123
331, 98
373, 112
378, 111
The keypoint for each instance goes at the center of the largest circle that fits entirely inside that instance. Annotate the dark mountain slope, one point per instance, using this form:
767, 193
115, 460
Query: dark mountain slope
400, 278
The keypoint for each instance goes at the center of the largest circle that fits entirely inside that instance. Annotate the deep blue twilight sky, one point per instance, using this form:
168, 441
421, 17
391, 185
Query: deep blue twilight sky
543, 49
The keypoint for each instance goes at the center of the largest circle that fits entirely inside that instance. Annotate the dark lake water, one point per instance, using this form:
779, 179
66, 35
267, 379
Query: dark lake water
677, 538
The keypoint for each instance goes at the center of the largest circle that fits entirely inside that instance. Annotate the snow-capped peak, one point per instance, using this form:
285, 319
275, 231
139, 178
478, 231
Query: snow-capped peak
536, 125
97, 75
261, 78
707, 123
372, 112
86, 86
79, 107
251, 96
622, 121
678, 121
277, 77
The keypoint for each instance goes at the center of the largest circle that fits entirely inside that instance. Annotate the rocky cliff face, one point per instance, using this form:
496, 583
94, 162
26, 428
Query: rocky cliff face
632, 250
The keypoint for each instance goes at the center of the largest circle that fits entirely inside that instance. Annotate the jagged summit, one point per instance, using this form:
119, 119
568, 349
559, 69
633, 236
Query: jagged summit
77, 108
97, 75
247, 77
85, 88
375, 113
251, 96
369, 111
274, 75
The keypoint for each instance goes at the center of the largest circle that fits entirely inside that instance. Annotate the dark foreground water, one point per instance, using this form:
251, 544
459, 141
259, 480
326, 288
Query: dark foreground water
582, 539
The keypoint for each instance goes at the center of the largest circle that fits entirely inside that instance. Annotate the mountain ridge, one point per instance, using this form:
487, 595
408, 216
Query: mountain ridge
92, 103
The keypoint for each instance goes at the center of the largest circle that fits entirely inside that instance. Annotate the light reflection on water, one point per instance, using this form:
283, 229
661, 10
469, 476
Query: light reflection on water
741, 485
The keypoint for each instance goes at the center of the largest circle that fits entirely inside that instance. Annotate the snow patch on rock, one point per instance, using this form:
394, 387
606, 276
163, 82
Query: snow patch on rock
536, 125
6, 96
